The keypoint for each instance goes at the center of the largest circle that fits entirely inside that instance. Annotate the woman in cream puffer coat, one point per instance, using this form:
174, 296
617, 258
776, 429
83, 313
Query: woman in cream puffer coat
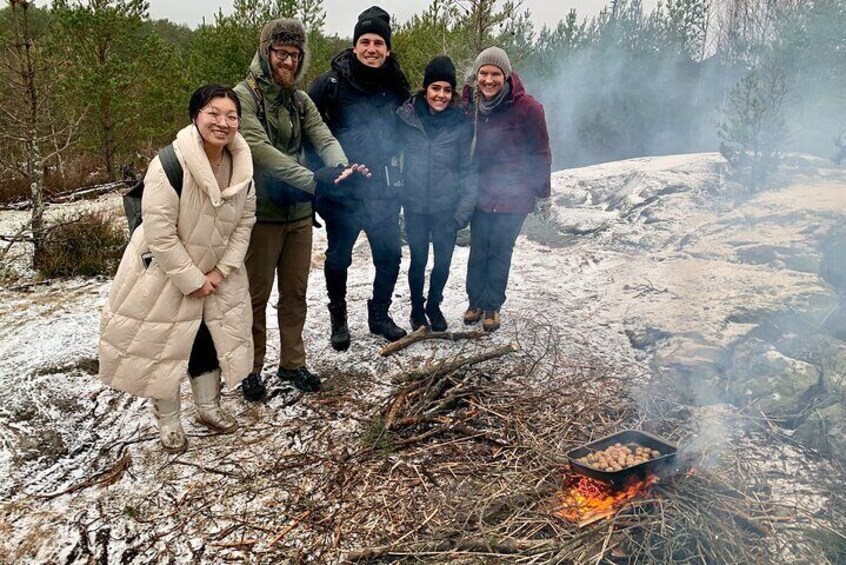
180, 300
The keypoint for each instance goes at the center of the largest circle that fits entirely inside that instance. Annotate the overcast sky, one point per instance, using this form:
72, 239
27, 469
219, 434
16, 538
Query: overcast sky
341, 14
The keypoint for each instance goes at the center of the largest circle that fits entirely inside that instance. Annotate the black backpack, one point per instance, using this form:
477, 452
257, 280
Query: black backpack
132, 197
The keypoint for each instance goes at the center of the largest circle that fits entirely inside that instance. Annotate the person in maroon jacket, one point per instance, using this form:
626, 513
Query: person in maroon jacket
511, 145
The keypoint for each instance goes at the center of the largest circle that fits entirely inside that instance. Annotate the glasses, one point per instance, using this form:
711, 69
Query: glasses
283, 55
232, 120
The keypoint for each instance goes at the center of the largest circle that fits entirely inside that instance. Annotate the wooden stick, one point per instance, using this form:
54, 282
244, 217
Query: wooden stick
423, 333
106, 478
294, 523
455, 364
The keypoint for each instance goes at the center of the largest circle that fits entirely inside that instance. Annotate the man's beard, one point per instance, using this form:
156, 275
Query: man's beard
284, 77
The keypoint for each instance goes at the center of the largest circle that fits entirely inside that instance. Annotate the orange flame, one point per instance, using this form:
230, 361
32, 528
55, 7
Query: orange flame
587, 501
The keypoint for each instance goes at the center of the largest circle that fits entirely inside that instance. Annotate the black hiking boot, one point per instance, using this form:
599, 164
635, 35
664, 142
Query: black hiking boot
301, 378
436, 317
418, 315
252, 388
381, 323
340, 332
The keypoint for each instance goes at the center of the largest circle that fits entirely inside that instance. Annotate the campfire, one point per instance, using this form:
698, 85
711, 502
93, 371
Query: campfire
609, 473
585, 500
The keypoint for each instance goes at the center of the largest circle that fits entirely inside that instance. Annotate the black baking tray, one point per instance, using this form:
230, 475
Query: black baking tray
658, 466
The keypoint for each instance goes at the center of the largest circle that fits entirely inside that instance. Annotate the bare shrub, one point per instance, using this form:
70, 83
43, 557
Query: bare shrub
82, 171
88, 244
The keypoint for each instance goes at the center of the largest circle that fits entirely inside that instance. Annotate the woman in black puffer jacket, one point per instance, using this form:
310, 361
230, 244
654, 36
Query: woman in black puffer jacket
440, 184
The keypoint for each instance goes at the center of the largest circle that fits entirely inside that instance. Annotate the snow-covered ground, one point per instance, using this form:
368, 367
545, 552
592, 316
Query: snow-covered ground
633, 248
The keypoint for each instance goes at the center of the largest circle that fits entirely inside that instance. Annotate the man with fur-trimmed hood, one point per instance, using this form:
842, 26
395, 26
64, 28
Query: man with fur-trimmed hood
278, 119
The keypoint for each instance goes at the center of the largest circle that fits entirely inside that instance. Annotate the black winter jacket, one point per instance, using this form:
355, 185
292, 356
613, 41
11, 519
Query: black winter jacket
439, 174
360, 114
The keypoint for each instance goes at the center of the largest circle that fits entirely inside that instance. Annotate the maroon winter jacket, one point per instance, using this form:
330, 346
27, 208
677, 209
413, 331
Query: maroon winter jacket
512, 148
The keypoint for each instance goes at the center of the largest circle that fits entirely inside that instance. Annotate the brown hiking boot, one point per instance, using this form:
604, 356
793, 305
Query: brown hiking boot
490, 322
472, 315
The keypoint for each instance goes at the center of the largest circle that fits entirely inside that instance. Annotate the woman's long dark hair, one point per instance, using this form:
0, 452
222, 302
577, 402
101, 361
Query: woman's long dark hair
206, 93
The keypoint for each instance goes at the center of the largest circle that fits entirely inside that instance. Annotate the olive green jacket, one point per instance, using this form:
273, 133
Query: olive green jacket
284, 184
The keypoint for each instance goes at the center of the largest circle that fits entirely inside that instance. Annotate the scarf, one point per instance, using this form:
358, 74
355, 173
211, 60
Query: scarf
488, 106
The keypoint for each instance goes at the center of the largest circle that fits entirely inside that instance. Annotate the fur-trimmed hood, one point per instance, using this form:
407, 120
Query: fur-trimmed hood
287, 31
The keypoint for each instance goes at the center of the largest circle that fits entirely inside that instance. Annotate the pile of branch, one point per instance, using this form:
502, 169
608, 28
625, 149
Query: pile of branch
427, 400
483, 487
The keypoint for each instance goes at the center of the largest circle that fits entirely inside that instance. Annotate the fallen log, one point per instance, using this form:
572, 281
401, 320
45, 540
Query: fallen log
424, 333
67, 196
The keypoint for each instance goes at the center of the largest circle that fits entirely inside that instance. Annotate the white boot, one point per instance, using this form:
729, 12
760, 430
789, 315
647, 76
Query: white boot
206, 389
166, 414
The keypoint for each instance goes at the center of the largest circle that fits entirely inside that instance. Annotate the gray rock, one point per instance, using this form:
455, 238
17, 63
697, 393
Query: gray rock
779, 386
825, 430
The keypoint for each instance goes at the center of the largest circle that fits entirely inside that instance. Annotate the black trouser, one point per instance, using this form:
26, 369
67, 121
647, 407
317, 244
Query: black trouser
419, 229
203, 357
492, 238
384, 237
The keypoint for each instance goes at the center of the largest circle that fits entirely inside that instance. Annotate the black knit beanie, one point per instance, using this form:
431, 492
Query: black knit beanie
373, 20
439, 68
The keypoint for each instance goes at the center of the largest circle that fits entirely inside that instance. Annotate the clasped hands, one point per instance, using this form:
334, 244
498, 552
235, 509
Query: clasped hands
213, 280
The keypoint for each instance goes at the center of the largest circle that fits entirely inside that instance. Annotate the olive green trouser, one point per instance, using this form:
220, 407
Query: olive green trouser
283, 249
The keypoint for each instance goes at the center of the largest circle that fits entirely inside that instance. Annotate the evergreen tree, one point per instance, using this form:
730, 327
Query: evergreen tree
105, 44
426, 35
753, 132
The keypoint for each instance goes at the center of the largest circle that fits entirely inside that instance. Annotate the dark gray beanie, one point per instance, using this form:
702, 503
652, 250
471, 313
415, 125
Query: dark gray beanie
493, 56
439, 68
373, 20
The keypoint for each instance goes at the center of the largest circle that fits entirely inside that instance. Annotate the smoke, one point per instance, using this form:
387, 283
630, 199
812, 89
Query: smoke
630, 87
606, 106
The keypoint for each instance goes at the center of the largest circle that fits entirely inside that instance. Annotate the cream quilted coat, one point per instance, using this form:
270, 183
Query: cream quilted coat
149, 323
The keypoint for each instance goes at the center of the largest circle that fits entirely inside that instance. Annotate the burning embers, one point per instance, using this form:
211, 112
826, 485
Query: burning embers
585, 500
610, 472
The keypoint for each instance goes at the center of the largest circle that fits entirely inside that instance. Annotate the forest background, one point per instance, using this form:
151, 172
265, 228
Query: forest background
91, 89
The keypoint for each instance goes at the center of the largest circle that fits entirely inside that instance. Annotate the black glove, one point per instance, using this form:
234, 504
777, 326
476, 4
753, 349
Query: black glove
326, 187
328, 175
459, 224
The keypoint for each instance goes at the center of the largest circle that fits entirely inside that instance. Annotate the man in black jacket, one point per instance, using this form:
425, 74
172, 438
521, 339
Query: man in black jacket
357, 99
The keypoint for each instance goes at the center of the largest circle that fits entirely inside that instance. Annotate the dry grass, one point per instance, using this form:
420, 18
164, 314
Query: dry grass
82, 172
88, 244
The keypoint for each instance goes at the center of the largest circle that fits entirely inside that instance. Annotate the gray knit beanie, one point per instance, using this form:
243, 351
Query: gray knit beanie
492, 56
284, 31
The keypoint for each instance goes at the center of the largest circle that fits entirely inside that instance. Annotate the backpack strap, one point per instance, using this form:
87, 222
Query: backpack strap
300, 97
172, 167
252, 84
330, 99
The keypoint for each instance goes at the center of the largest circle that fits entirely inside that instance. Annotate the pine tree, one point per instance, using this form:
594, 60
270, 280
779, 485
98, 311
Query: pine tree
104, 44
753, 131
